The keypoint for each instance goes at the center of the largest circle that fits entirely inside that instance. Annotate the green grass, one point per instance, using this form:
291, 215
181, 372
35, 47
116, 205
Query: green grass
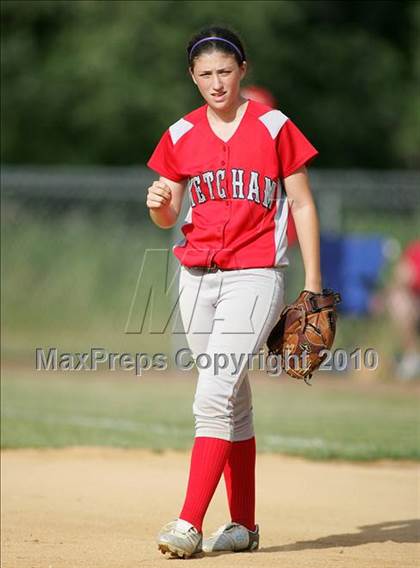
70, 281
322, 422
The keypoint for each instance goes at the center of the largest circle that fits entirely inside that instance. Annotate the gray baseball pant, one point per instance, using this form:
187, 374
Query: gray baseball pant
227, 317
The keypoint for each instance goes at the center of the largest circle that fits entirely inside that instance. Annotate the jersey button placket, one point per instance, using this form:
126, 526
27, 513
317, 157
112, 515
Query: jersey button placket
224, 155
226, 217
225, 161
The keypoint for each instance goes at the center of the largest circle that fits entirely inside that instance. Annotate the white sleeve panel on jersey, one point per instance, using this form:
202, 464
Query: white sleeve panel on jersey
280, 220
178, 129
273, 120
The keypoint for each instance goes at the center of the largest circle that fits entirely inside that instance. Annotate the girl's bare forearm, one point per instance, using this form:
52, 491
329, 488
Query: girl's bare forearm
164, 217
307, 228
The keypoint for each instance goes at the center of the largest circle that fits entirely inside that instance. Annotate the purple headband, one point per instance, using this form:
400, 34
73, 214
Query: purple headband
217, 39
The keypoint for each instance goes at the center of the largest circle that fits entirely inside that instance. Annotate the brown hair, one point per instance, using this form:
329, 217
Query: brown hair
215, 38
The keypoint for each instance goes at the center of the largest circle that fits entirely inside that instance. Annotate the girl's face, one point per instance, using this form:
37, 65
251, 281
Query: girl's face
218, 78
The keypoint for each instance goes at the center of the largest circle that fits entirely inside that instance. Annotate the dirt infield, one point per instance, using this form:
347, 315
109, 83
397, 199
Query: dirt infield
93, 507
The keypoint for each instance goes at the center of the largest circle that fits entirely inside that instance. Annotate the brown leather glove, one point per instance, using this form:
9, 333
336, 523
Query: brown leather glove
305, 328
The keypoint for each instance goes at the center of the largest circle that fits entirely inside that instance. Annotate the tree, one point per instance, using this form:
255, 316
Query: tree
99, 81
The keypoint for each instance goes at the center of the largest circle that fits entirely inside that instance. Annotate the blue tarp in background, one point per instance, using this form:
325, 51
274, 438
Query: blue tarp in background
352, 266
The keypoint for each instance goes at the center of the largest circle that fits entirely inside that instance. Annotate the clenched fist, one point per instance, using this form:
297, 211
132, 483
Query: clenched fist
159, 195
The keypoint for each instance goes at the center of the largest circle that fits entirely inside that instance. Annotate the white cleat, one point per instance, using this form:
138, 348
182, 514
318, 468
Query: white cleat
232, 537
180, 539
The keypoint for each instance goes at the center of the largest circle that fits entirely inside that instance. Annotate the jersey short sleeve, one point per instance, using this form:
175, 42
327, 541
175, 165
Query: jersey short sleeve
163, 160
294, 149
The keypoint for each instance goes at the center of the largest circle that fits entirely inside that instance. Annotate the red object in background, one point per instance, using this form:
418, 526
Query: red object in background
411, 255
259, 94
263, 95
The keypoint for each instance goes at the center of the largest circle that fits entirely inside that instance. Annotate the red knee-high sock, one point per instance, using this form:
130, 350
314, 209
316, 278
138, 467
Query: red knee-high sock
208, 458
239, 474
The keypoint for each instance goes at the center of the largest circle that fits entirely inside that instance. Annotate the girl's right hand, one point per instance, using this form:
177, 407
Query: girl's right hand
159, 195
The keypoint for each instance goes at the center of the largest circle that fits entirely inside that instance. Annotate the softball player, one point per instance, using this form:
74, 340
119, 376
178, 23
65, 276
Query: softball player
242, 164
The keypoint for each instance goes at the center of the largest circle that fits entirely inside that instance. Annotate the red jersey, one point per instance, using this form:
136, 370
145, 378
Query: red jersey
238, 207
